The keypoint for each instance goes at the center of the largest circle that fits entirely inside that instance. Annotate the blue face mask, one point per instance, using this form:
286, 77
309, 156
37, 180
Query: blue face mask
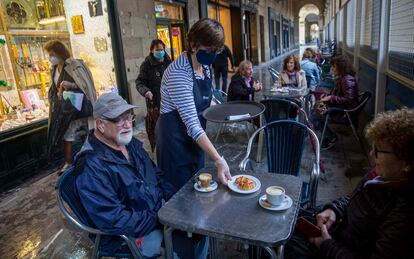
159, 54
205, 58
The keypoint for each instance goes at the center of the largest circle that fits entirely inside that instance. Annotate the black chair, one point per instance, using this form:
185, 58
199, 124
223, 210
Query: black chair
65, 194
351, 115
278, 109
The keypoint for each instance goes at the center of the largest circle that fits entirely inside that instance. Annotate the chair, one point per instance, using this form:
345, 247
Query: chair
274, 74
278, 109
218, 96
284, 144
65, 194
351, 116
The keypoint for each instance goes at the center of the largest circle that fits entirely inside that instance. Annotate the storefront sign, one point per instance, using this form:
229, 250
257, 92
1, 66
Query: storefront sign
77, 24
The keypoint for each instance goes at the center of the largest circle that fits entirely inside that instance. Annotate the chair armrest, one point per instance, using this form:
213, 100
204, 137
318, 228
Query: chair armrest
245, 160
335, 109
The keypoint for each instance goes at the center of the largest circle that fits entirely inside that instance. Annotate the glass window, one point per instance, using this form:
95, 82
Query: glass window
350, 24
401, 38
169, 11
370, 29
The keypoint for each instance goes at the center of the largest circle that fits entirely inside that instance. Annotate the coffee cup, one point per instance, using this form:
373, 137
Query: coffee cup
205, 179
275, 195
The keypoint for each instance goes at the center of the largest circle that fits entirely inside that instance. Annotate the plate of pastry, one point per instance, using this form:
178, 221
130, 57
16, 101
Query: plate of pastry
244, 184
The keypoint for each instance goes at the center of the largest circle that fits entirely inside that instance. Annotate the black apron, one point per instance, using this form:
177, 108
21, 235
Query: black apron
178, 155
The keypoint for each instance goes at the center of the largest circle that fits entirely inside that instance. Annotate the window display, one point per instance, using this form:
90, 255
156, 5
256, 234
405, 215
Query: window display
25, 27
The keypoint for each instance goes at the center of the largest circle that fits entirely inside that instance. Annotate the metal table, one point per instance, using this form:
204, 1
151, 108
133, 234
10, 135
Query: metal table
225, 214
220, 113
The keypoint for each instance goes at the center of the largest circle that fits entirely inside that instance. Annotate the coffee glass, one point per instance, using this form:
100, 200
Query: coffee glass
275, 195
205, 179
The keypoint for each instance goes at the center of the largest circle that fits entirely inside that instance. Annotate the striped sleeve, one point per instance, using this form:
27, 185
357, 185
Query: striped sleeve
177, 94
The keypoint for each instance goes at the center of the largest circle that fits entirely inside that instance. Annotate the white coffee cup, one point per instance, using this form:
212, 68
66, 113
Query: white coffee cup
275, 195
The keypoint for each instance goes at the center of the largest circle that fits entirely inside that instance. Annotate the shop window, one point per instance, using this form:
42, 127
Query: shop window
168, 11
401, 38
25, 68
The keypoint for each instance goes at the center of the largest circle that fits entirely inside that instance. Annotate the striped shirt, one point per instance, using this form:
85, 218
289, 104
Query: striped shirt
177, 94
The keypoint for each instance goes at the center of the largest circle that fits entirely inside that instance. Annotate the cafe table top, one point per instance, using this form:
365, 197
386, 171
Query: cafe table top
293, 93
220, 112
225, 214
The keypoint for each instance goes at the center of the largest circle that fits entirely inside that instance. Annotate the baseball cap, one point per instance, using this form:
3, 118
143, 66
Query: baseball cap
110, 106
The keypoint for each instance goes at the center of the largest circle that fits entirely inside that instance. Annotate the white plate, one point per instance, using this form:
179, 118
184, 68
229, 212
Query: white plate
234, 187
286, 204
213, 186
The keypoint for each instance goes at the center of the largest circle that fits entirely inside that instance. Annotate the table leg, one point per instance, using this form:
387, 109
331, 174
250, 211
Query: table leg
260, 142
213, 247
169, 252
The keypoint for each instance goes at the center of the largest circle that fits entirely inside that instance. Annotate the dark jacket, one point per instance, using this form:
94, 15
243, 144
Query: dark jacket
238, 90
221, 59
345, 93
377, 222
150, 76
120, 197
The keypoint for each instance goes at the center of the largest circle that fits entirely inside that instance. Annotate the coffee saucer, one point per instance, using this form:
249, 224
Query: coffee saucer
213, 186
286, 203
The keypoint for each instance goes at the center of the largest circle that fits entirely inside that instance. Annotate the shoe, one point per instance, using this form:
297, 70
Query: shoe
327, 144
63, 169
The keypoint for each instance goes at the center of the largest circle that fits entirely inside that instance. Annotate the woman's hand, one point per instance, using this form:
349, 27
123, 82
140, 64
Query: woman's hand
326, 98
66, 85
326, 218
223, 170
257, 86
149, 95
317, 241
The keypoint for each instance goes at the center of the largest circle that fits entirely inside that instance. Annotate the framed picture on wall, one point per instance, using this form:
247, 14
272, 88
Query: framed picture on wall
77, 24
30, 98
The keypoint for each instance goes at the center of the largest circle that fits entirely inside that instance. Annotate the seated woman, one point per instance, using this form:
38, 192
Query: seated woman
376, 219
311, 70
344, 95
243, 86
292, 75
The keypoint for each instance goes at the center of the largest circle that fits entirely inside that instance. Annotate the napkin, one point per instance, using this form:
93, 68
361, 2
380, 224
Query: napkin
238, 117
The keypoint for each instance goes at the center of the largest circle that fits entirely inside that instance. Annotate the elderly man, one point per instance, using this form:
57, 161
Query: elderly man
119, 186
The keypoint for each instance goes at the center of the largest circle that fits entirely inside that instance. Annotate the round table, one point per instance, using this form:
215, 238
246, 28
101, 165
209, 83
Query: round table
220, 112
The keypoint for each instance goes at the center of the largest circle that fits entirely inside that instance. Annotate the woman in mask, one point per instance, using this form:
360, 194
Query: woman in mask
185, 94
68, 76
148, 84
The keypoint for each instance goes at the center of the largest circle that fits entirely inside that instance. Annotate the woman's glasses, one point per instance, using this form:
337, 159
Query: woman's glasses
376, 151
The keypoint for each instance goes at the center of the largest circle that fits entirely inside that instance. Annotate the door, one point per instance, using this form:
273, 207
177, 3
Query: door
164, 34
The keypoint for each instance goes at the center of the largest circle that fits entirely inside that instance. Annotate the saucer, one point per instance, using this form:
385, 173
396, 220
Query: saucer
286, 203
213, 186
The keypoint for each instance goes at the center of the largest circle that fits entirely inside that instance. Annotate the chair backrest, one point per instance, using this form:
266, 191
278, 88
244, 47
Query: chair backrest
277, 109
284, 144
363, 100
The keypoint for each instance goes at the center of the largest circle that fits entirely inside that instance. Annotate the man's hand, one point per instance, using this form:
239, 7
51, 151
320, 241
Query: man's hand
149, 95
326, 218
223, 170
317, 241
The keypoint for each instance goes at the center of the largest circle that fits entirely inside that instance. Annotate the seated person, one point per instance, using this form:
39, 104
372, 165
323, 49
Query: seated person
119, 187
344, 95
243, 86
311, 70
376, 219
292, 75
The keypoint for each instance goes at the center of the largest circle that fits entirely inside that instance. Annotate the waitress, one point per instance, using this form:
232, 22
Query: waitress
185, 94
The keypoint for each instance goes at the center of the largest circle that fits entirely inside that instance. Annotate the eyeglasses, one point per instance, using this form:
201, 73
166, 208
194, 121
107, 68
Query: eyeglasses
376, 151
121, 121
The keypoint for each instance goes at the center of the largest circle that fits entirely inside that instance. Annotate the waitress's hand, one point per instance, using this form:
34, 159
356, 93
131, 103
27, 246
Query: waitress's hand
149, 95
223, 170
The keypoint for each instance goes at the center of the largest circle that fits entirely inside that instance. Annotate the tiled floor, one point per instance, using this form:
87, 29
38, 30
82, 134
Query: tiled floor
31, 225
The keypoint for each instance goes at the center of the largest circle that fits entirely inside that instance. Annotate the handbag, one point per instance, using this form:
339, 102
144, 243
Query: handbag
86, 109
320, 107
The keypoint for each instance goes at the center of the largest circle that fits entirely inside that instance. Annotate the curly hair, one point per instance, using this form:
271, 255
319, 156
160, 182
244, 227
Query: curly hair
396, 128
343, 65
295, 59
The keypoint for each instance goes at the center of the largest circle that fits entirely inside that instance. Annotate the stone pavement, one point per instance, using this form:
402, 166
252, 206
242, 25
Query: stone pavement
31, 225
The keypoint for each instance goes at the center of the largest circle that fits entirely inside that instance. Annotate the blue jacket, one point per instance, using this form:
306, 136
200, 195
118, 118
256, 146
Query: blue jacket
312, 73
120, 197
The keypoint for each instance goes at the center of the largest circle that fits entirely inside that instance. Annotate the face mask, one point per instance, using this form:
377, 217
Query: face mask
205, 58
54, 60
159, 54
124, 139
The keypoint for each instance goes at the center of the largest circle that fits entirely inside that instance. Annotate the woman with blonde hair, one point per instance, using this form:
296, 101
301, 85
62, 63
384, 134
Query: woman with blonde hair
243, 86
